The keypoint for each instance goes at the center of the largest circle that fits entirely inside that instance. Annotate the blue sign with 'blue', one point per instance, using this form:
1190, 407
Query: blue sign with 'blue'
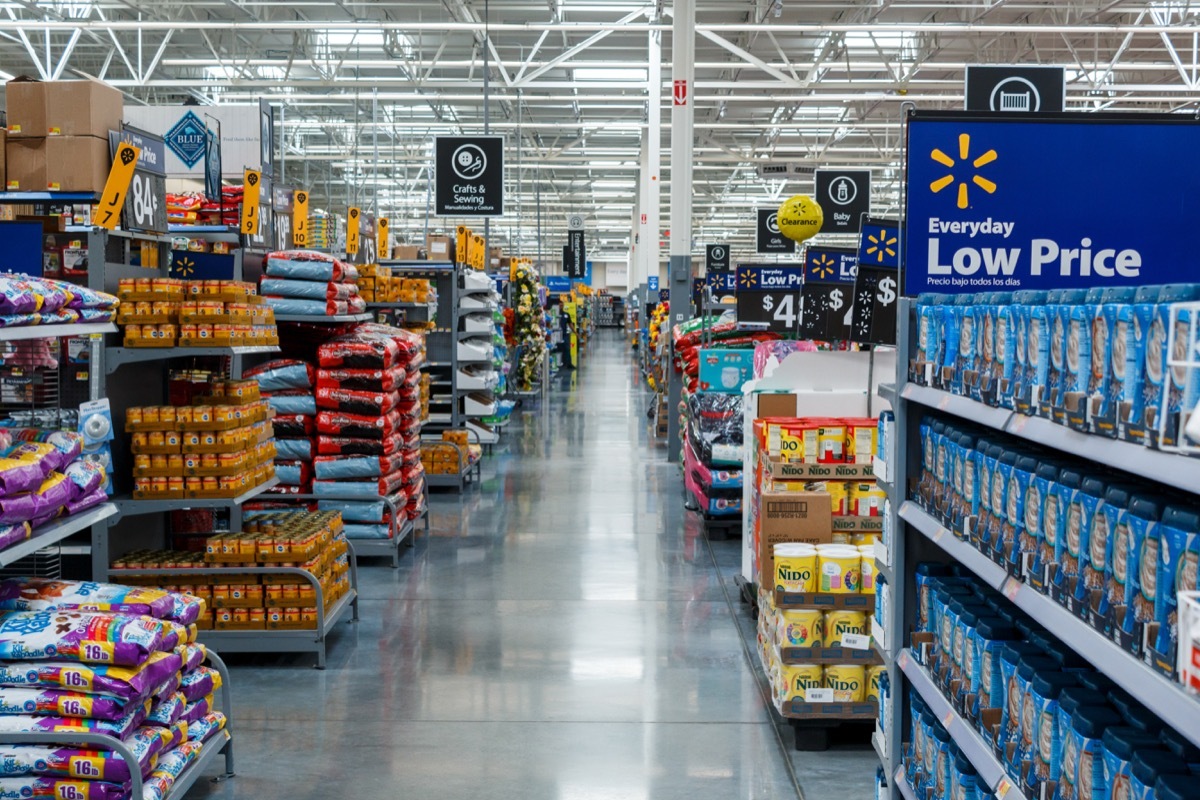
1021, 203
765, 277
187, 139
830, 265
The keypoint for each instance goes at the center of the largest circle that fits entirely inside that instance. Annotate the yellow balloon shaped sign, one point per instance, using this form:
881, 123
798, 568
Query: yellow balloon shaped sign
800, 218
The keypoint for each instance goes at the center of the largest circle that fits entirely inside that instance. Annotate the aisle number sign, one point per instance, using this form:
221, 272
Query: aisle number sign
352, 223
300, 218
1006, 202
112, 200
251, 193
381, 227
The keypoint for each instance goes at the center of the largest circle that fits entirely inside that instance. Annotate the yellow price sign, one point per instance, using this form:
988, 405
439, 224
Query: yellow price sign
251, 189
382, 228
352, 231
300, 218
112, 200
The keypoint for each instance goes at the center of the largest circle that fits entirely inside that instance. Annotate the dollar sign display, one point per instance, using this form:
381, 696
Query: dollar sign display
768, 303
887, 291
835, 300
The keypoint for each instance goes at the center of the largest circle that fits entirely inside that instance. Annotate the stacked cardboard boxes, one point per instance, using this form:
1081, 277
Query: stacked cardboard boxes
57, 137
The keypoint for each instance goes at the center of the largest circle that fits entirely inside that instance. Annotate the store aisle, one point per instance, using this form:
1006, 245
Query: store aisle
559, 635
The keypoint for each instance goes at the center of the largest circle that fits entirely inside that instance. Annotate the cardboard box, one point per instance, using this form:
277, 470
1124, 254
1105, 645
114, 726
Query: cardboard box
495, 258
439, 248
25, 161
25, 104
82, 108
76, 163
408, 252
791, 517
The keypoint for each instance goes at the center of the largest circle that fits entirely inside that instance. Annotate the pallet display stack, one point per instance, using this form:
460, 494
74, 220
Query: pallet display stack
528, 333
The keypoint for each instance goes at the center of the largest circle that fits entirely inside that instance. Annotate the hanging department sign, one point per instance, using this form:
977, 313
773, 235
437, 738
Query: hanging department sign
1008, 202
769, 239
187, 139
716, 258
845, 196
469, 181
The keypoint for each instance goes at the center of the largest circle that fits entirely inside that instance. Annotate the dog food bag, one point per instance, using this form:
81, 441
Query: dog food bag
135, 714
87, 765
121, 682
193, 655
203, 728
86, 637
282, 374
357, 426
168, 769
338, 445
1177, 567
48, 786
58, 703
286, 265
199, 709
47, 594
293, 402
335, 468
168, 711
294, 425
294, 449
353, 402
365, 380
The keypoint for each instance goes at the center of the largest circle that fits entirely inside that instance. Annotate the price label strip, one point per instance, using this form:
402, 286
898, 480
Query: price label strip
251, 205
300, 218
818, 695
353, 221
112, 199
856, 641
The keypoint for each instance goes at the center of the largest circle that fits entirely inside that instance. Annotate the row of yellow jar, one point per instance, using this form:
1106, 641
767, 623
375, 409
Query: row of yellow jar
825, 568
851, 683
812, 627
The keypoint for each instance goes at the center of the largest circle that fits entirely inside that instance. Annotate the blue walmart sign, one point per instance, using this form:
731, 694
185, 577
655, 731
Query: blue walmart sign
830, 265
1020, 203
186, 139
879, 243
764, 277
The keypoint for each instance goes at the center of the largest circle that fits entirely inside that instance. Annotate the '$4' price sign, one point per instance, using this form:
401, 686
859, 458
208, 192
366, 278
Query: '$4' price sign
779, 309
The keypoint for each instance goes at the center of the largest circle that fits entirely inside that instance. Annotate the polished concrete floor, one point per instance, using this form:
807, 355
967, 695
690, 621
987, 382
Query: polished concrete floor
564, 633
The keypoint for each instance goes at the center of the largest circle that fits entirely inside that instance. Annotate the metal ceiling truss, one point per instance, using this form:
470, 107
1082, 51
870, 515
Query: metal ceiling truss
824, 81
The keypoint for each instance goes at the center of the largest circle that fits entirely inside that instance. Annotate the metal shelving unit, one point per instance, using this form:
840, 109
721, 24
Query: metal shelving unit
54, 532
310, 640
55, 331
117, 357
364, 317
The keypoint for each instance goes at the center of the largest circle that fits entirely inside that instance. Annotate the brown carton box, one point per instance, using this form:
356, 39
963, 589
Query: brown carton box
82, 108
25, 161
25, 104
76, 163
495, 258
408, 252
791, 517
439, 248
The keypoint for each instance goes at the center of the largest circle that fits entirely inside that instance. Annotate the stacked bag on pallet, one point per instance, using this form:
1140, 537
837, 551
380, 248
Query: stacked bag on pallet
368, 423
306, 283
289, 387
44, 475
712, 453
126, 667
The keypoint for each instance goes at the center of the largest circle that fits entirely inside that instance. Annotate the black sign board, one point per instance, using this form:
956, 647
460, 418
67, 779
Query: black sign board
716, 258
828, 293
698, 285
844, 195
878, 285
771, 294
1016, 89
266, 138
575, 255
212, 164
282, 201
145, 206
470, 176
770, 240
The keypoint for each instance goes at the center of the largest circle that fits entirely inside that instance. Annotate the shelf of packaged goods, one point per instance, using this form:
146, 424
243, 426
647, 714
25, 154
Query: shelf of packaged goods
371, 548
1172, 469
116, 357
1159, 694
364, 317
128, 507
970, 742
310, 640
54, 532
55, 331
384, 548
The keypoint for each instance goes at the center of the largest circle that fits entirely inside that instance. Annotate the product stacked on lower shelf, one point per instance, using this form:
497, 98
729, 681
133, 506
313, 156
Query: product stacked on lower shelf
252, 600
452, 455
310, 284
1057, 727
167, 312
1111, 549
127, 668
44, 475
350, 428
378, 284
712, 453
26, 301
220, 447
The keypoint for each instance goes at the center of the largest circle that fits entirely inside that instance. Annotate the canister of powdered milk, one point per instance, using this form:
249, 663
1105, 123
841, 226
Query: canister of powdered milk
848, 681
803, 627
839, 569
795, 567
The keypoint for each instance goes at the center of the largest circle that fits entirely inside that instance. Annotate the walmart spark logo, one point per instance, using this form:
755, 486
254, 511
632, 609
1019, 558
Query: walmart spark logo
185, 267
748, 279
822, 266
964, 162
883, 245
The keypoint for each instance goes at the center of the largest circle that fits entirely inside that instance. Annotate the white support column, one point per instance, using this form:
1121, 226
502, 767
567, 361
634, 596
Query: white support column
683, 76
646, 252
